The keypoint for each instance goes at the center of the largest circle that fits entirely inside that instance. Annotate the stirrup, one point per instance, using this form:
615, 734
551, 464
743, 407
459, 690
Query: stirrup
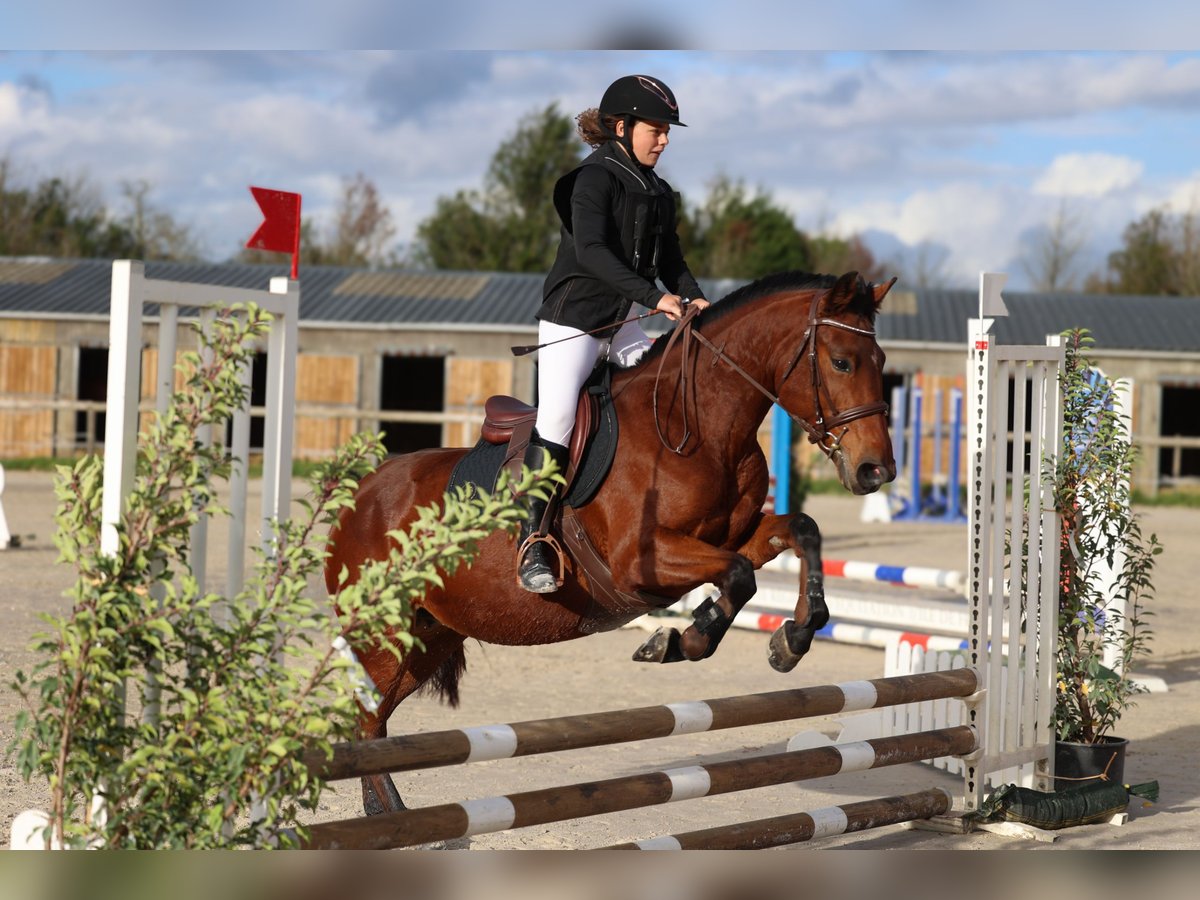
541, 587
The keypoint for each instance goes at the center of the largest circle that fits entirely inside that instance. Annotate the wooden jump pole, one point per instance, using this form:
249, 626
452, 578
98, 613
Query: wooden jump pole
779, 831
455, 820
444, 748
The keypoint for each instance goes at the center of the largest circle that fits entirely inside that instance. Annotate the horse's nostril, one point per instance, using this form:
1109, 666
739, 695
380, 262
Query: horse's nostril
870, 476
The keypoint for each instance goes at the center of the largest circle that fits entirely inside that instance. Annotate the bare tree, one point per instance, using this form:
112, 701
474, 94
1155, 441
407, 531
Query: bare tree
835, 255
363, 229
928, 263
155, 234
1052, 251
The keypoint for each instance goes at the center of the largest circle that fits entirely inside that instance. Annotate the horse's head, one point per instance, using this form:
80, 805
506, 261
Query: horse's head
833, 384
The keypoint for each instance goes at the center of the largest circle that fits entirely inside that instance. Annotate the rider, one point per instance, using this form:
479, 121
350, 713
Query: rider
618, 236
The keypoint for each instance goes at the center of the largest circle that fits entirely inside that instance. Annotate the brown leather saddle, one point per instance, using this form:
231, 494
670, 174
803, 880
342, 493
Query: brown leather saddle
505, 435
510, 421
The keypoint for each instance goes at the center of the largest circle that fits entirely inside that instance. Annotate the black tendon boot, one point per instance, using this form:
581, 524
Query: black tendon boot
537, 565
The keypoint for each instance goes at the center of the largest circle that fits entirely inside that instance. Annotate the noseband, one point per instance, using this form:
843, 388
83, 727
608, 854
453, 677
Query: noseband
820, 430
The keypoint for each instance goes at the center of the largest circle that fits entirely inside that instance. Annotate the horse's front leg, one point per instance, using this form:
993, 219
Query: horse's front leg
684, 560
774, 534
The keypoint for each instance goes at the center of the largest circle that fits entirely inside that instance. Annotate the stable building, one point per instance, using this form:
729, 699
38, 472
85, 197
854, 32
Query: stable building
414, 354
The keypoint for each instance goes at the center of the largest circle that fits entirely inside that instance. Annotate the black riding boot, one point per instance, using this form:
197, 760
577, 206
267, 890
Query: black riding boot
536, 562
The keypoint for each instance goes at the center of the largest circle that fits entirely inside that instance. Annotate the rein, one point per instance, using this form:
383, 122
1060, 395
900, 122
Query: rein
819, 431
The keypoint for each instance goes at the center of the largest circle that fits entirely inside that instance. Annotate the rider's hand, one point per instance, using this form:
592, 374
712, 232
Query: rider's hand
672, 305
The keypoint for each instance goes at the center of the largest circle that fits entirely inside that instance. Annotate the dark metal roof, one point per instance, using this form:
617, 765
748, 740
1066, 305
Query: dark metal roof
1117, 322
405, 298
330, 293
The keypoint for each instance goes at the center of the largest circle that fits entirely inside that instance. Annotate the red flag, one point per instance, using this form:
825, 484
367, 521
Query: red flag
280, 230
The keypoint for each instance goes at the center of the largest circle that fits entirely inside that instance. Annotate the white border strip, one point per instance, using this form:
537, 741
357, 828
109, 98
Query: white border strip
689, 783
488, 815
691, 718
858, 695
491, 742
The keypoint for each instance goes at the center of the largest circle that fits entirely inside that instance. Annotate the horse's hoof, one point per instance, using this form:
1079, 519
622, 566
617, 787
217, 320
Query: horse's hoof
788, 645
662, 647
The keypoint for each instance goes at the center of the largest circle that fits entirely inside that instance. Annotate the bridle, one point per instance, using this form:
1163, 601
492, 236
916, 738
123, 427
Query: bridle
820, 431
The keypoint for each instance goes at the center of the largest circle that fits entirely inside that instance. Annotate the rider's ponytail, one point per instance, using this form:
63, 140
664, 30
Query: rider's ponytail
594, 130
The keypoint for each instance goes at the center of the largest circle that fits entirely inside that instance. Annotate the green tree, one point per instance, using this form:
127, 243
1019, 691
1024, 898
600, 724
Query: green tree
55, 217
509, 224
460, 235
737, 234
1187, 256
65, 217
1146, 261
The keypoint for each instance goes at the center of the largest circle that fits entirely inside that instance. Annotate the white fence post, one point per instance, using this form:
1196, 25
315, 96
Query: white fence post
1014, 625
5, 534
281, 401
124, 385
131, 291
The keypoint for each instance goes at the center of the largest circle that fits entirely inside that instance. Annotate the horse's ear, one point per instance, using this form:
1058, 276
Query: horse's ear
842, 294
881, 291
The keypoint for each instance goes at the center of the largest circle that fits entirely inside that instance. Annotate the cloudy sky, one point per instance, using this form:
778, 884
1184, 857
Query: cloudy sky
962, 154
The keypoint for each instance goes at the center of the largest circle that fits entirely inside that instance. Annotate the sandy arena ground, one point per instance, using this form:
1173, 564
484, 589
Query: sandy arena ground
506, 684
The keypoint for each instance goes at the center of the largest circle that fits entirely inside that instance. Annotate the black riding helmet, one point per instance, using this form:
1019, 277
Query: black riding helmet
641, 97
638, 97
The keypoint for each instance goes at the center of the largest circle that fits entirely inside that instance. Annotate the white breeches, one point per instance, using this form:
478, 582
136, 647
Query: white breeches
564, 367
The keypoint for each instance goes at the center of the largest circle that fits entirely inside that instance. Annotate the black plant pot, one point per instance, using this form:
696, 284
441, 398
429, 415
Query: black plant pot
1077, 765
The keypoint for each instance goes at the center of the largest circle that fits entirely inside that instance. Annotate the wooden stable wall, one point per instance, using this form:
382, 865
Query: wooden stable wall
28, 372
321, 380
325, 380
469, 382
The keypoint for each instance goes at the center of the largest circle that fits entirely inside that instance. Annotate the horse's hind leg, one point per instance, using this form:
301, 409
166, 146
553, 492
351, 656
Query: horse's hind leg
439, 667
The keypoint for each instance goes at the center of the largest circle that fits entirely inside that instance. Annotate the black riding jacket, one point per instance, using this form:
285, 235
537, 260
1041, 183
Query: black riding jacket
618, 235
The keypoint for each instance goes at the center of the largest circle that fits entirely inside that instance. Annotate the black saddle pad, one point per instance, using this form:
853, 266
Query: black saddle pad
481, 466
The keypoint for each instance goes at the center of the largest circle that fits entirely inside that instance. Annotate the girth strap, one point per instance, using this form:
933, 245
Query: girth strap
611, 607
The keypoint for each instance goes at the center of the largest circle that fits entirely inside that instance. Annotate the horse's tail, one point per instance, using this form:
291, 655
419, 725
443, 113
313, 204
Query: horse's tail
444, 682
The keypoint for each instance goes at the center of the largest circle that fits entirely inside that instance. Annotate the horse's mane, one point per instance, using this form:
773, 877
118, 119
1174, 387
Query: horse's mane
747, 294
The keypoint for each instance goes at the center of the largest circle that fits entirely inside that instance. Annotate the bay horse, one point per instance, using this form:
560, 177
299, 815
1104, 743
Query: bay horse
681, 506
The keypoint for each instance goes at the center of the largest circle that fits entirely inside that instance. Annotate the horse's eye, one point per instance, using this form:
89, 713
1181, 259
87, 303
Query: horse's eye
842, 365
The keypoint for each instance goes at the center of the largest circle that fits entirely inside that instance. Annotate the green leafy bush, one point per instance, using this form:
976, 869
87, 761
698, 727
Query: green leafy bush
238, 688
1100, 530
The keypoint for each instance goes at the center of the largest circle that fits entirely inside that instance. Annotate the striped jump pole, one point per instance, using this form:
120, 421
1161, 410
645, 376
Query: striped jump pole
796, 828
403, 753
449, 821
852, 632
857, 570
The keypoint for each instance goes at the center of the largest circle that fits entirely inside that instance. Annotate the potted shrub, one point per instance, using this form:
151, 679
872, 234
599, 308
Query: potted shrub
1105, 567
